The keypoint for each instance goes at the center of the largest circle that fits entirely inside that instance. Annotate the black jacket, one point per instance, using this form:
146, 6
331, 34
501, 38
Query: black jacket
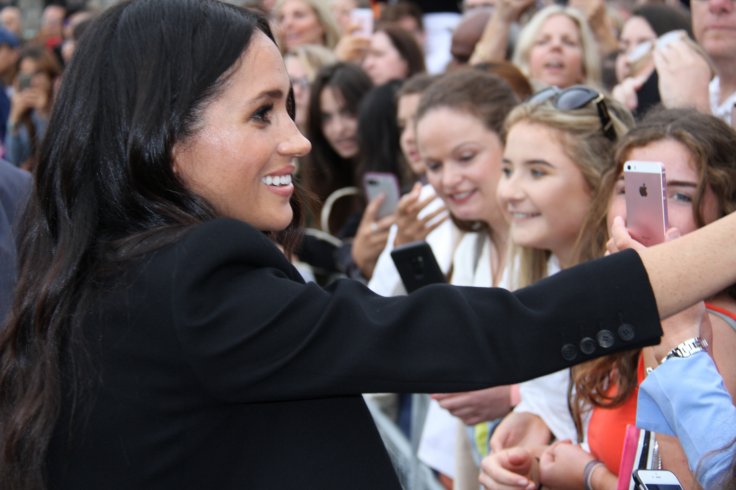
215, 366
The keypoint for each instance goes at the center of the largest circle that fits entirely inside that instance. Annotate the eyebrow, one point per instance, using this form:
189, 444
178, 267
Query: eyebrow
681, 183
269, 94
533, 161
538, 161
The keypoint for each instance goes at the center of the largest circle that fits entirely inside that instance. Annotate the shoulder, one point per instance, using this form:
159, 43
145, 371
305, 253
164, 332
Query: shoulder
227, 241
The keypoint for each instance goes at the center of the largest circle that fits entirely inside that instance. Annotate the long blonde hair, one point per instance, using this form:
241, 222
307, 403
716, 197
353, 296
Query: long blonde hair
581, 137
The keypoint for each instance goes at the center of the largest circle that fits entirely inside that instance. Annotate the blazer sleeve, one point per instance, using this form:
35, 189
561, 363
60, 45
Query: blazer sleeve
253, 330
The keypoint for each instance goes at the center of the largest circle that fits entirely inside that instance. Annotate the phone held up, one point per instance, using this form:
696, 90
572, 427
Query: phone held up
362, 18
646, 201
24, 81
656, 480
417, 265
377, 183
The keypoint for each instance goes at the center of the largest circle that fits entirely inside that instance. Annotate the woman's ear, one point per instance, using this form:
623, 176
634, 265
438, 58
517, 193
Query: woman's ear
174, 160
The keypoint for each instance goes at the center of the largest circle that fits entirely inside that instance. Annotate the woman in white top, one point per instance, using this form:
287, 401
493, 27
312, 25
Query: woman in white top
458, 131
558, 146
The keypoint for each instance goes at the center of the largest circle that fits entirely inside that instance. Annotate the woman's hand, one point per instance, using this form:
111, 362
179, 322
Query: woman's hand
352, 47
510, 11
514, 468
520, 429
474, 407
626, 91
561, 466
23, 101
684, 75
371, 237
410, 227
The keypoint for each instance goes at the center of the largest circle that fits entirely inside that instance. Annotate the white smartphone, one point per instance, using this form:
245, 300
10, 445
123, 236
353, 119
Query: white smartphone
377, 183
656, 480
363, 18
646, 201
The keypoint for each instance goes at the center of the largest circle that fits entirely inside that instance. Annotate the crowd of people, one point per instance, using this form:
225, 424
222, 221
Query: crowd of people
196, 290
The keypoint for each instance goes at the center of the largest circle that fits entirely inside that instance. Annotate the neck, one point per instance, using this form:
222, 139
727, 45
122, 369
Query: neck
565, 258
727, 80
500, 239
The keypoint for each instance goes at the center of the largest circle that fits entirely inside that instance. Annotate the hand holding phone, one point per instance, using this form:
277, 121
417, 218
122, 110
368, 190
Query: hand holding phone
377, 183
417, 265
24, 81
656, 480
646, 201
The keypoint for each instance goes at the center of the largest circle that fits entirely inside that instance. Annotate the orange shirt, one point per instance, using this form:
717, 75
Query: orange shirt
607, 427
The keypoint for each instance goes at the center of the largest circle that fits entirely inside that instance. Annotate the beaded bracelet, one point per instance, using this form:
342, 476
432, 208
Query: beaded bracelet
590, 467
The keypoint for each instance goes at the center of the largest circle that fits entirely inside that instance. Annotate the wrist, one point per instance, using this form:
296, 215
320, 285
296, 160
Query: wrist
686, 348
589, 473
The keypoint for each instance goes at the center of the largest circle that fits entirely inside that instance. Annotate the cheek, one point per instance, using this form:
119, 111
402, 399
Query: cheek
536, 60
681, 216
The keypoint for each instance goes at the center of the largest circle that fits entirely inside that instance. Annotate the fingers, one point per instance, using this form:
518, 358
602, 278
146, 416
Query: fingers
371, 211
620, 238
671, 234
507, 469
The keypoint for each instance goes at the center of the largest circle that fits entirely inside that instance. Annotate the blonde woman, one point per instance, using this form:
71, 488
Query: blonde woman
557, 48
300, 22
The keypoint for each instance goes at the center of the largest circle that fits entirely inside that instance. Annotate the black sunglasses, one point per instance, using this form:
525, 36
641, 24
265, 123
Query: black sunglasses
577, 97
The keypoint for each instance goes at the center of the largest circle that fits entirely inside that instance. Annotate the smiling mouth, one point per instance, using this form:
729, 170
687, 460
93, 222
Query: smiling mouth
460, 196
517, 215
277, 180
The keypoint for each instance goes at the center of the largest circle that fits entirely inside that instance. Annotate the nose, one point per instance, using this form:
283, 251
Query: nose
450, 178
508, 190
295, 145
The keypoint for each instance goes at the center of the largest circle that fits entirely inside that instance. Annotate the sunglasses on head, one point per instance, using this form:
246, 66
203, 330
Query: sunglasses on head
577, 97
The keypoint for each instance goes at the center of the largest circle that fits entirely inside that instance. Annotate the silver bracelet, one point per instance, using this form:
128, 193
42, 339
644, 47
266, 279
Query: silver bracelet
590, 467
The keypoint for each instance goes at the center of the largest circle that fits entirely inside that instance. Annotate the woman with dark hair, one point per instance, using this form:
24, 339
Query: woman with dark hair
160, 339
380, 151
30, 104
332, 125
393, 54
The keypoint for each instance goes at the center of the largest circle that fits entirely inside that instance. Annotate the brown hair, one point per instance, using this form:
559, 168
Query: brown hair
480, 94
407, 46
712, 144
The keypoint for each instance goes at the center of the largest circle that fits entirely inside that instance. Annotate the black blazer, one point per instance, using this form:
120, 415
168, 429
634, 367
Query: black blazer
212, 364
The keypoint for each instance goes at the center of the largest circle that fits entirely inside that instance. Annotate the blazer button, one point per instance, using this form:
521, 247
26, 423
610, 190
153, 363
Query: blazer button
569, 352
605, 339
626, 332
587, 346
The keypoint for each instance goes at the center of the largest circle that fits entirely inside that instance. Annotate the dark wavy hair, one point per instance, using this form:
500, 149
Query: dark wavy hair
711, 143
325, 170
378, 134
105, 192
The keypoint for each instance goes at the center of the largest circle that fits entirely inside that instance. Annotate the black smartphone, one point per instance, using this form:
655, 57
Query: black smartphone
24, 81
417, 265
